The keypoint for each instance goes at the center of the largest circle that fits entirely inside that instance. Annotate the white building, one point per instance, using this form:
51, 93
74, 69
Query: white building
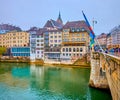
115, 33
36, 45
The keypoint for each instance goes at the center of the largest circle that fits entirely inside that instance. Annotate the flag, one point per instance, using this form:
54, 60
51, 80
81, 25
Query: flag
91, 34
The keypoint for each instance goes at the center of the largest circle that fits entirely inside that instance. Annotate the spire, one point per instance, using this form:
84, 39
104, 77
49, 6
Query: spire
59, 20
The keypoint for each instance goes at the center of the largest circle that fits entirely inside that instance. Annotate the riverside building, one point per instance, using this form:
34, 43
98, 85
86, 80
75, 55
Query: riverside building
75, 40
14, 39
53, 38
36, 45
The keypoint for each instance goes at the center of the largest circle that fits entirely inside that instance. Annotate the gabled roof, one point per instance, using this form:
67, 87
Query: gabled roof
75, 24
53, 24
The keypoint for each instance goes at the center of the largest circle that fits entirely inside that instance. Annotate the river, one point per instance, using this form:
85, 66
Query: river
20, 81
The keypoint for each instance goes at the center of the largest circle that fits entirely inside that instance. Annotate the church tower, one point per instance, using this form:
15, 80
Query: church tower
59, 20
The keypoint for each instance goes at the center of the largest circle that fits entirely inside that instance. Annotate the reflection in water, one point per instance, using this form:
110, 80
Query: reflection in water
25, 82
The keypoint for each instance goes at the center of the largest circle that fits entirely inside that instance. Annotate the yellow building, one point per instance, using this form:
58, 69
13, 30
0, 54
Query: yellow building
11, 39
75, 40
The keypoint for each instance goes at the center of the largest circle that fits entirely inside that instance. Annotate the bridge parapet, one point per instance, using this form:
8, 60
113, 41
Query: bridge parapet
105, 73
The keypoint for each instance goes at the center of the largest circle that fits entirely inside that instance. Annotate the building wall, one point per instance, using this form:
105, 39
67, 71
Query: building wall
115, 38
12, 39
55, 38
109, 42
74, 44
102, 39
36, 46
72, 52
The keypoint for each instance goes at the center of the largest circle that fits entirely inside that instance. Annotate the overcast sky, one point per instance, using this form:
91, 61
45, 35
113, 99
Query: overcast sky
28, 13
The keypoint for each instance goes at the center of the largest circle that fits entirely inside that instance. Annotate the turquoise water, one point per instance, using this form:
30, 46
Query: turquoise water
30, 82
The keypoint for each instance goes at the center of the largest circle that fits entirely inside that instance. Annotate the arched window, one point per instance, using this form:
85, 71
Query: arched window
66, 49
77, 49
63, 49
73, 49
69, 49
81, 49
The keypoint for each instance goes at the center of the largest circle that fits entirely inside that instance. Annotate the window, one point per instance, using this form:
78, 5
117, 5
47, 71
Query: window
83, 34
83, 29
38, 36
51, 41
72, 29
80, 54
55, 40
59, 36
51, 36
77, 49
63, 49
78, 29
59, 40
83, 39
66, 54
55, 36
38, 45
69, 49
41, 40
81, 49
66, 49
73, 49
65, 30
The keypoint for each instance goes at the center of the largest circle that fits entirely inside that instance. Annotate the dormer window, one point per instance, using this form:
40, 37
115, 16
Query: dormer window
72, 29
83, 29
78, 29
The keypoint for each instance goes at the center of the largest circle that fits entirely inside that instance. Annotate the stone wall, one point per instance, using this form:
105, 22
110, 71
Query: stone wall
105, 73
97, 77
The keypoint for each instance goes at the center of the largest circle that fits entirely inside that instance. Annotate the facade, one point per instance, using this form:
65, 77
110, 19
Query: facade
36, 45
102, 41
20, 51
75, 40
115, 34
14, 39
109, 41
53, 40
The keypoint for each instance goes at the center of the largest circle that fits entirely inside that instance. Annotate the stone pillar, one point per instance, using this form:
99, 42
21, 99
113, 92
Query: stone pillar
97, 76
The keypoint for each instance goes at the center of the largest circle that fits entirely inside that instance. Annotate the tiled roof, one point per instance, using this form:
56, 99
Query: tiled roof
53, 24
58, 30
75, 24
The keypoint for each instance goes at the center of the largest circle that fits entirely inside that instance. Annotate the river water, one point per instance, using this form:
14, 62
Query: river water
19, 81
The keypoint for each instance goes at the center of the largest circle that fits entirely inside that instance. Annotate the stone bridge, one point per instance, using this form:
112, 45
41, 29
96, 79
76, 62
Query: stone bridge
105, 73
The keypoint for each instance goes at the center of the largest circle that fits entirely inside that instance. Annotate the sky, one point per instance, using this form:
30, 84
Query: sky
29, 13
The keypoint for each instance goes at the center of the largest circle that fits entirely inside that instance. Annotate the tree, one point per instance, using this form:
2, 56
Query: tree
2, 50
